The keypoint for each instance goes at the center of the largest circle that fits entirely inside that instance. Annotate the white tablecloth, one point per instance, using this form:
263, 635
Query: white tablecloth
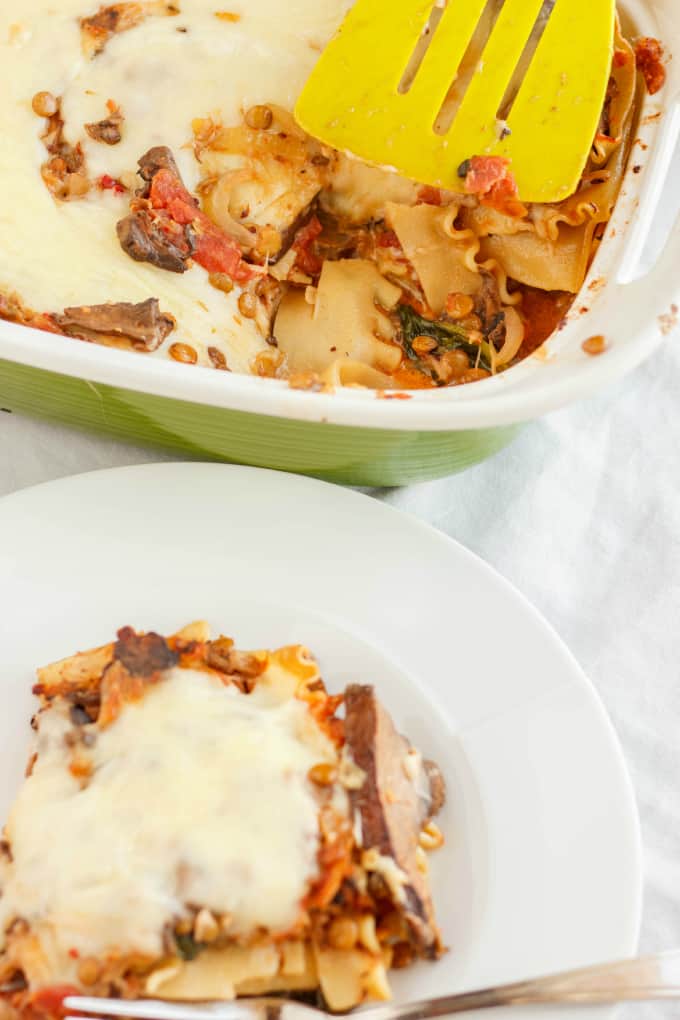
582, 514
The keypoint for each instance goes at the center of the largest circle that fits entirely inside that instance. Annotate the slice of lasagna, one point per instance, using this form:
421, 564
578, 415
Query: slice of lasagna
202, 823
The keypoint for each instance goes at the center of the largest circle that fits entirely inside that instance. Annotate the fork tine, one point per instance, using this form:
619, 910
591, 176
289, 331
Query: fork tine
150, 1009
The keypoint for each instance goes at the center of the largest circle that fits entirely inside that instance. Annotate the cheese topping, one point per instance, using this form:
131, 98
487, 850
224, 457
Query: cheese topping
60, 254
198, 795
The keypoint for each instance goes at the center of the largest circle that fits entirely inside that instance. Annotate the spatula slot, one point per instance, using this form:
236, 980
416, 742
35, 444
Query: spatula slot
468, 66
527, 55
421, 48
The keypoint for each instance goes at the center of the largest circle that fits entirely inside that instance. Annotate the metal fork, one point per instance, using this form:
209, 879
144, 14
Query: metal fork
644, 978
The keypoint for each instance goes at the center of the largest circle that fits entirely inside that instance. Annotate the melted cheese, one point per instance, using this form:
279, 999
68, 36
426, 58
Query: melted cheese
199, 795
55, 255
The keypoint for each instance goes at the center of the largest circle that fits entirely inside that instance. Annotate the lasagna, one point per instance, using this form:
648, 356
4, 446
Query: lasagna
199, 822
158, 195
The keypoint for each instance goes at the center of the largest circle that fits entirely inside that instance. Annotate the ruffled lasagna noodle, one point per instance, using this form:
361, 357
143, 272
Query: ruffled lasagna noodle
201, 823
216, 232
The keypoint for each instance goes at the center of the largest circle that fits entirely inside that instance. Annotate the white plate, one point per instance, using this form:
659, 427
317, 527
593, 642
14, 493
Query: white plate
541, 869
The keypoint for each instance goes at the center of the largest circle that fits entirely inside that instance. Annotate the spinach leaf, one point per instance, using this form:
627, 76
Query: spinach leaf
187, 947
449, 337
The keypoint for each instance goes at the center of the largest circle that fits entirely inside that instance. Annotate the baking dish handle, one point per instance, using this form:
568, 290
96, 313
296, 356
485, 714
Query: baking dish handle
630, 267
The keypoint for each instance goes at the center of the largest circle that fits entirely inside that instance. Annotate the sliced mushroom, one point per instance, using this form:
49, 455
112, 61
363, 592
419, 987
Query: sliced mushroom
159, 157
143, 654
142, 236
143, 240
166, 227
390, 806
107, 130
142, 324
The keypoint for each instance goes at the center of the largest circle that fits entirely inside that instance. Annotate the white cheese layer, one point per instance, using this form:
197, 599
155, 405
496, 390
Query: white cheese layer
199, 795
56, 255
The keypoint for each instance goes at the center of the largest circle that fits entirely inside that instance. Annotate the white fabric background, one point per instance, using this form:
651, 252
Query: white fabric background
582, 514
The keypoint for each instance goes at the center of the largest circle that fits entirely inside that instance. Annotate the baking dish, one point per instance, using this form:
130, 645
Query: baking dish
350, 436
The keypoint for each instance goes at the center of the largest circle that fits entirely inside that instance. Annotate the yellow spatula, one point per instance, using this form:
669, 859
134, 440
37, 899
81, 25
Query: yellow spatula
422, 87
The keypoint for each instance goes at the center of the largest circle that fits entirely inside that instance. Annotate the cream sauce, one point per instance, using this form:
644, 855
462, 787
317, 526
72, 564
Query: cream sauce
199, 795
54, 255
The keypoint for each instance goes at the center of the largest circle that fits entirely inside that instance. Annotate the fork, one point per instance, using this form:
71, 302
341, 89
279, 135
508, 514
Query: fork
644, 978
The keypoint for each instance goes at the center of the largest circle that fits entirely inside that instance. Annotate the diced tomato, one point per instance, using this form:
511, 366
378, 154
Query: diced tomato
49, 1002
215, 250
482, 172
648, 60
217, 253
307, 260
387, 239
107, 183
305, 235
168, 192
620, 58
489, 178
429, 195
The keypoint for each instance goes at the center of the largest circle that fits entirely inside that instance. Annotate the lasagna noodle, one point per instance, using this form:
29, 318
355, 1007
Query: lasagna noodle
622, 86
343, 320
554, 250
229, 840
442, 257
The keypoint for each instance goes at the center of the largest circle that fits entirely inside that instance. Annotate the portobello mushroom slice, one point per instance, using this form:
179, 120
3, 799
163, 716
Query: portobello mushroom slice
142, 325
147, 237
159, 157
398, 795
109, 130
143, 239
167, 228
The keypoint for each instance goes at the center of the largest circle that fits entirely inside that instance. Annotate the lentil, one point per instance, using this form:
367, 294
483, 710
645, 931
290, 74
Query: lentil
221, 282
594, 345
183, 353
453, 364
267, 363
247, 305
259, 118
424, 344
89, 971
431, 837
45, 104
459, 306
323, 774
217, 358
343, 933
471, 322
